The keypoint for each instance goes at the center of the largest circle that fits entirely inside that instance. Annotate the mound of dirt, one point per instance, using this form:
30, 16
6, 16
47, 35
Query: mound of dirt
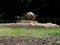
21, 40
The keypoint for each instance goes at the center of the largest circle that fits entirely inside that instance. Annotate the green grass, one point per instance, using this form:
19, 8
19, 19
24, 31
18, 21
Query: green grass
35, 32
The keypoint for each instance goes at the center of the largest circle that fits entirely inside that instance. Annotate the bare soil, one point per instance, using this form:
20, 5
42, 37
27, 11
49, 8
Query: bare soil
25, 40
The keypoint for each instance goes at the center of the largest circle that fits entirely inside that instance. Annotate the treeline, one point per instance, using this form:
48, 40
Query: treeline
45, 10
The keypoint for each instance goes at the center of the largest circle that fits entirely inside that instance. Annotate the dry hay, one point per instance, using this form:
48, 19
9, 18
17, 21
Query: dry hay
28, 21
35, 23
50, 25
30, 16
29, 24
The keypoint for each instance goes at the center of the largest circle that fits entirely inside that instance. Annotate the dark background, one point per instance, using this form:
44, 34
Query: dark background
45, 10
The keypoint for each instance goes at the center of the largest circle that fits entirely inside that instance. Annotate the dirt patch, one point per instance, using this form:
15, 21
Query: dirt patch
21, 40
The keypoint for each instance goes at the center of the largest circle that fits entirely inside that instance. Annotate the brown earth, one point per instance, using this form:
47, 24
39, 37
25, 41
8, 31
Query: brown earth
21, 40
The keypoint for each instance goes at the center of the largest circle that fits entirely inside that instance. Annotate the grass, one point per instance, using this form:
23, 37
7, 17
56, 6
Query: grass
35, 32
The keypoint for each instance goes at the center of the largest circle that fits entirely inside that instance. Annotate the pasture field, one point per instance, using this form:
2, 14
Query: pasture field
34, 32
29, 36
